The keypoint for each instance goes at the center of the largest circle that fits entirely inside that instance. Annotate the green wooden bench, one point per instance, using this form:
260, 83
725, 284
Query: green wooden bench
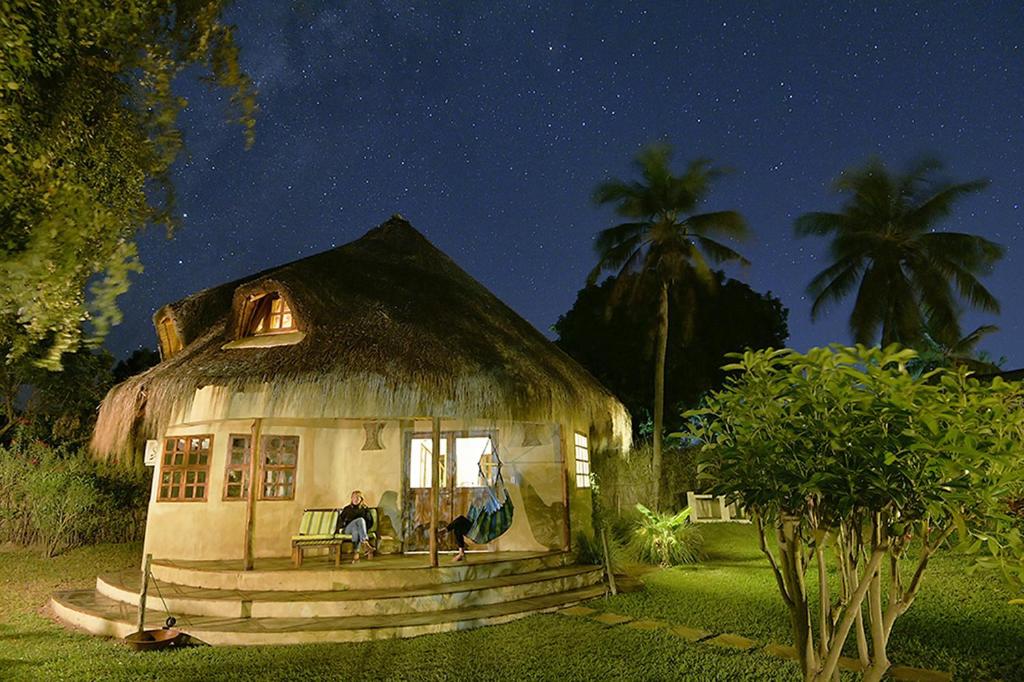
317, 529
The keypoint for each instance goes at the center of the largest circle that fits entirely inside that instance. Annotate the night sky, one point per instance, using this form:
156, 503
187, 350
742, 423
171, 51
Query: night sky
488, 127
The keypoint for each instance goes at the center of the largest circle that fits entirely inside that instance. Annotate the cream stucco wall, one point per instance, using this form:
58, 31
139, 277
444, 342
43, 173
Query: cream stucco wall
332, 463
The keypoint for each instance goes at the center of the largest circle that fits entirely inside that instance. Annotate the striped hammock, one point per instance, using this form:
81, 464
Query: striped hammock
490, 518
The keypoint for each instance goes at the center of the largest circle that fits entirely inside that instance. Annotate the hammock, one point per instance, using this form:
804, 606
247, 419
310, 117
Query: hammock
490, 518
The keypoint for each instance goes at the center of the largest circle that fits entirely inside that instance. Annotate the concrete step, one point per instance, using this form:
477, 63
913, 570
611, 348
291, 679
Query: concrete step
318, 574
103, 616
183, 599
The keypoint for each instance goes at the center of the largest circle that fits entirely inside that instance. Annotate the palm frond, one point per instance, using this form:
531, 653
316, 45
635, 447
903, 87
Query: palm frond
728, 223
870, 305
940, 203
819, 224
612, 237
832, 284
718, 252
967, 250
968, 343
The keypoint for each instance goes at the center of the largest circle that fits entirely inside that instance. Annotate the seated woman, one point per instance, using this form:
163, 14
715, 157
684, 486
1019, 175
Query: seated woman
355, 520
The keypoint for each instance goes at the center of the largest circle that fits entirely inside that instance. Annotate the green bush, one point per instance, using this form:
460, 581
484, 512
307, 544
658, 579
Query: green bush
60, 499
666, 539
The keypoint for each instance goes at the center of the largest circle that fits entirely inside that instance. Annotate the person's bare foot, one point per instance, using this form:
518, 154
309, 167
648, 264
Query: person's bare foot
459, 557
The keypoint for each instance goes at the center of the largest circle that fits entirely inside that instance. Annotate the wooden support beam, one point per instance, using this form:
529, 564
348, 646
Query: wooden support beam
435, 486
566, 525
250, 500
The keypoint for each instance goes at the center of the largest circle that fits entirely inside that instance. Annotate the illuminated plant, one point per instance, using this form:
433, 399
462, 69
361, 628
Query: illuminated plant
842, 456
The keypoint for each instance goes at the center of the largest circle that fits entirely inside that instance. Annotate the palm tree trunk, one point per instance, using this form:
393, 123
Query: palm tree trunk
659, 391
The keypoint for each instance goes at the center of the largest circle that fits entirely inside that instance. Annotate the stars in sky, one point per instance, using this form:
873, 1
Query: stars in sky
488, 127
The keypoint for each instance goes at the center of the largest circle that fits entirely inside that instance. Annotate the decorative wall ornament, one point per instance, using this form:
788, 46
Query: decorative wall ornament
373, 431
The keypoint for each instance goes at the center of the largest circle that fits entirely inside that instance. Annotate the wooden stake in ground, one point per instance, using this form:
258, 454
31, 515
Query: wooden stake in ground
142, 593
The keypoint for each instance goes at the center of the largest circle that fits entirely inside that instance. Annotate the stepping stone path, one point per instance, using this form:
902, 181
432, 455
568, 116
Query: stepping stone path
733, 642
612, 619
647, 624
690, 634
730, 641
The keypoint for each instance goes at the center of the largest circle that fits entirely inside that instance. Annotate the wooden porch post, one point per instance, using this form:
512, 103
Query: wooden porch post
250, 500
435, 485
566, 529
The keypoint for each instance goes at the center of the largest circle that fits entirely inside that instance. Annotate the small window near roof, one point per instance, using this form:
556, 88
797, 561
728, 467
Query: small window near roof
271, 315
170, 342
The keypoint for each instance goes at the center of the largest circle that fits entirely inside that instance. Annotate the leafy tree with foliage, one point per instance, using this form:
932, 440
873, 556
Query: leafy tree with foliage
88, 133
616, 342
664, 241
848, 458
885, 246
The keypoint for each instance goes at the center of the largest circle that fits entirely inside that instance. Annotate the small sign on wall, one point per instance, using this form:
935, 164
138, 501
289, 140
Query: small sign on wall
152, 455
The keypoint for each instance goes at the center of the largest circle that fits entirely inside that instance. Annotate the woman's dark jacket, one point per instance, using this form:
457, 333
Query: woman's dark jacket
351, 512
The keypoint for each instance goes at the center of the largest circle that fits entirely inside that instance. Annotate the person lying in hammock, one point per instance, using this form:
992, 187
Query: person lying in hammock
460, 525
355, 520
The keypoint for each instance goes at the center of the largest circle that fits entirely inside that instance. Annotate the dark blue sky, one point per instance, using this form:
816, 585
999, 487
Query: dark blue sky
488, 127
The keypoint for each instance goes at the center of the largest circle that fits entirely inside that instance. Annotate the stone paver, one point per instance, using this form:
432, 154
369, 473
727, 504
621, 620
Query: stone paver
781, 651
908, 674
647, 624
690, 634
733, 642
612, 619
578, 611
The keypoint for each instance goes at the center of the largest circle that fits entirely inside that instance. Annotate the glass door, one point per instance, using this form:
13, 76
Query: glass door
463, 483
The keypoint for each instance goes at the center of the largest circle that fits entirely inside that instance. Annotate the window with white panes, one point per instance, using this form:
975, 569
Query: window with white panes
185, 469
236, 468
582, 448
279, 458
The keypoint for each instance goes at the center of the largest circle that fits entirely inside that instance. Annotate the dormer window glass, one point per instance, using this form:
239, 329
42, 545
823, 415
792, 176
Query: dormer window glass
273, 316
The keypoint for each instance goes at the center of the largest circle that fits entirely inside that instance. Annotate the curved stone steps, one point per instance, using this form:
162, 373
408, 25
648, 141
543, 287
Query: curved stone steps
320, 575
101, 615
183, 599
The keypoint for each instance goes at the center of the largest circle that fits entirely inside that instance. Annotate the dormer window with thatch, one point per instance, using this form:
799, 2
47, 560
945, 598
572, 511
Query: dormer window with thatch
170, 342
271, 315
266, 319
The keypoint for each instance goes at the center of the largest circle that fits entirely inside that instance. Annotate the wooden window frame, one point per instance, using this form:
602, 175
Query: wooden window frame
582, 477
244, 468
185, 468
264, 468
262, 324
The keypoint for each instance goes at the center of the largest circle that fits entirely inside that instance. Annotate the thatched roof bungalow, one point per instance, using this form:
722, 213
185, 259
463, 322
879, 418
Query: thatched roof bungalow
338, 364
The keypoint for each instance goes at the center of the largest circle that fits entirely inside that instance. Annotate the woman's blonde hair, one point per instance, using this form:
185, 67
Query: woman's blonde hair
359, 493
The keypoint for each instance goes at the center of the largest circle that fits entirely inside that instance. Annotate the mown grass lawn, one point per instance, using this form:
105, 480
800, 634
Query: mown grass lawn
960, 623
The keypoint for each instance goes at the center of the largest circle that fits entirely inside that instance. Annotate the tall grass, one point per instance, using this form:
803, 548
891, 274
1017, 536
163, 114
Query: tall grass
57, 499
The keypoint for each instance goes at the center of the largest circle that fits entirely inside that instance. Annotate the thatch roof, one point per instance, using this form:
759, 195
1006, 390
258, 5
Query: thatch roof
394, 328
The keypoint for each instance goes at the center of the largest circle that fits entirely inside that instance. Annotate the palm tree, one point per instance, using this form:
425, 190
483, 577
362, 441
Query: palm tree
885, 246
664, 244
